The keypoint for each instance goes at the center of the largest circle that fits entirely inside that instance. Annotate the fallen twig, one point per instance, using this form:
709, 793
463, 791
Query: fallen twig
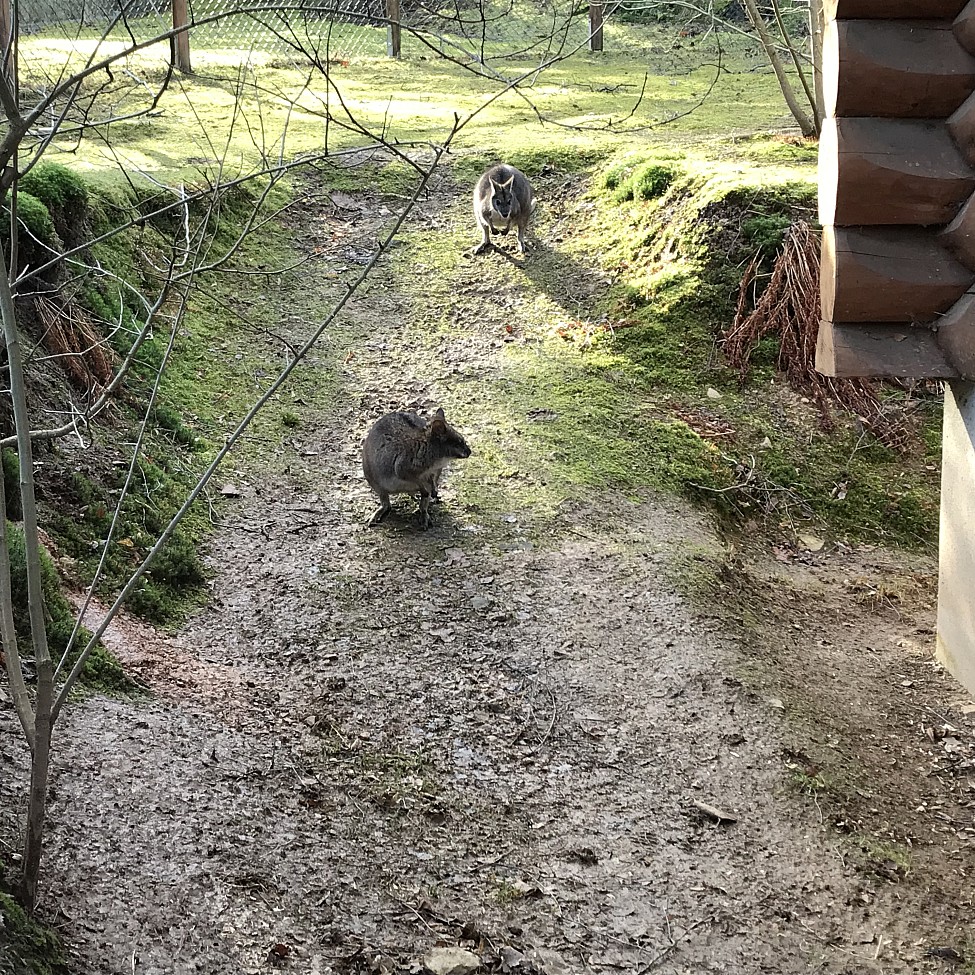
661, 955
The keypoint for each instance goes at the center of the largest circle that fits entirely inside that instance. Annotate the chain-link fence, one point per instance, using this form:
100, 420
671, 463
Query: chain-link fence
487, 32
341, 29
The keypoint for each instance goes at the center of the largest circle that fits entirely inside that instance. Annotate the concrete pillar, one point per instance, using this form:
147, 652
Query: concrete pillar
956, 580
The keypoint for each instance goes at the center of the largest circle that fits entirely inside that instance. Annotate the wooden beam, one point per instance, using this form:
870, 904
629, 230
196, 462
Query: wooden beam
959, 235
901, 69
880, 349
964, 28
956, 335
961, 125
893, 9
888, 274
890, 171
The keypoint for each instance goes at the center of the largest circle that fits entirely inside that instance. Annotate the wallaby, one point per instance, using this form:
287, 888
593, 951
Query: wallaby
404, 454
503, 196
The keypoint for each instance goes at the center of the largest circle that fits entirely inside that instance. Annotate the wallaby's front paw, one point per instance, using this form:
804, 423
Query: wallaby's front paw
378, 517
483, 247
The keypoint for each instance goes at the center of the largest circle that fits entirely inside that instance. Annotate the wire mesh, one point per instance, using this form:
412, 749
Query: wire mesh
488, 33
475, 30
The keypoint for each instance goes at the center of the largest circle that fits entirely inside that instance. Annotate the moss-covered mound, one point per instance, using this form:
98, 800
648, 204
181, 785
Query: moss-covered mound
764, 455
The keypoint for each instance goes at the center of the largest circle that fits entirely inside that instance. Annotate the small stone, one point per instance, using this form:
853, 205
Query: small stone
451, 961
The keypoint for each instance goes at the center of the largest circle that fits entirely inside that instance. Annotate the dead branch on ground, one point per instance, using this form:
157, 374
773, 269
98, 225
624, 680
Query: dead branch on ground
789, 308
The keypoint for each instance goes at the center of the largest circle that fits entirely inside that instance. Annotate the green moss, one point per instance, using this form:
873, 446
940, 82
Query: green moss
176, 577
34, 215
766, 231
534, 161
52, 206
102, 671
167, 422
26, 946
645, 182
57, 186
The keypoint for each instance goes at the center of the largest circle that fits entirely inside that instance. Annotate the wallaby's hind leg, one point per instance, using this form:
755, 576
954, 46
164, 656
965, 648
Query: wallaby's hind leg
485, 244
424, 514
521, 240
384, 509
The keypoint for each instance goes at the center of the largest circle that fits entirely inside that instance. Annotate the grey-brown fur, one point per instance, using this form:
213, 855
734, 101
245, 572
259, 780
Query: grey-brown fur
404, 454
503, 196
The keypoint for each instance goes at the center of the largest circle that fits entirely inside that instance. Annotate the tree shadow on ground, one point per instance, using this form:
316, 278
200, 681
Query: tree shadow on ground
569, 283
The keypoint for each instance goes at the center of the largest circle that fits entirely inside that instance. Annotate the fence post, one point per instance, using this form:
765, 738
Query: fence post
595, 26
393, 28
181, 18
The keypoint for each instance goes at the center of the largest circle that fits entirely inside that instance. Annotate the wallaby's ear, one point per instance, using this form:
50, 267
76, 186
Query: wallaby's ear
507, 185
439, 421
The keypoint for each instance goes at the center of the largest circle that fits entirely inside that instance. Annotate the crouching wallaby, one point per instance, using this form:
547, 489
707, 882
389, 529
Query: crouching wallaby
403, 454
503, 196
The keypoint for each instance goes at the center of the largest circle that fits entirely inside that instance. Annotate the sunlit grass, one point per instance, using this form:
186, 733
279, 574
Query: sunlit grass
248, 106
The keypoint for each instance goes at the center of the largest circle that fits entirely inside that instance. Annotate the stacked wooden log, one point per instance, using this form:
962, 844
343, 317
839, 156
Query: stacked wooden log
897, 189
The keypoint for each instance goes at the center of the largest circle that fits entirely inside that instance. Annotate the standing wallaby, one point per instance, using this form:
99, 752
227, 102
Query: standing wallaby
503, 196
402, 454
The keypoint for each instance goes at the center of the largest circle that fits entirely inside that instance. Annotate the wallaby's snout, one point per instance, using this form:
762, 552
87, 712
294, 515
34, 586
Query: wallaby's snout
463, 451
503, 200
403, 454
502, 197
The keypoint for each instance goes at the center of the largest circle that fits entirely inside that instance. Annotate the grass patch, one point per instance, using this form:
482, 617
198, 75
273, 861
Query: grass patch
881, 859
265, 107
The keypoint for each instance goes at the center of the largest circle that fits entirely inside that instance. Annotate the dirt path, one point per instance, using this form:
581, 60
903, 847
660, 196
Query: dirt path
377, 741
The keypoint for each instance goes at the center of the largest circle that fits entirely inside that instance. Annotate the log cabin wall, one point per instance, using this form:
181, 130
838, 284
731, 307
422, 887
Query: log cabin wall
897, 189
897, 204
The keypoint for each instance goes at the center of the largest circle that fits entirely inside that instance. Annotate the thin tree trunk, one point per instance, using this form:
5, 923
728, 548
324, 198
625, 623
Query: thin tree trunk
806, 125
40, 754
30, 870
8, 632
797, 63
817, 25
